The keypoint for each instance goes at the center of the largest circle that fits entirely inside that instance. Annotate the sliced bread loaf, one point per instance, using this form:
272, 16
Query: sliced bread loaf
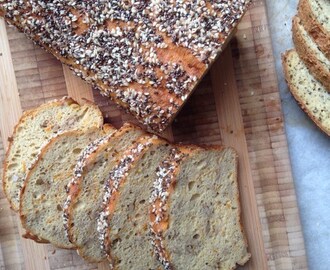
85, 192
34, 129
43, 193
309, 92
315, 16
195, 211
123, 223
313, 57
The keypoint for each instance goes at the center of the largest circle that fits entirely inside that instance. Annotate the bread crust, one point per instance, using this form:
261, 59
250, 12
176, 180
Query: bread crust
320, 72
314, 27
294, 91
24, 116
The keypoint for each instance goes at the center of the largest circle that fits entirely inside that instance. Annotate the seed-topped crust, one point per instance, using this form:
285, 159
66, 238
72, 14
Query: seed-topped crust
146, 55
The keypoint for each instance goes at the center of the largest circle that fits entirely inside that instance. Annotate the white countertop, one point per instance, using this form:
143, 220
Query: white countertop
309, 148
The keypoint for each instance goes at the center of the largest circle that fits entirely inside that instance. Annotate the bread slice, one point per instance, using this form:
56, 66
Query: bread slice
123, 223
147, 56
85, 192
315, 16
43, 194
195, 210
314, 59
309, 92
34, 129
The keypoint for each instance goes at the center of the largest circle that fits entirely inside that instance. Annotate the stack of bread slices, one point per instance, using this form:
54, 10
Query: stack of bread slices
307, 67
123, 196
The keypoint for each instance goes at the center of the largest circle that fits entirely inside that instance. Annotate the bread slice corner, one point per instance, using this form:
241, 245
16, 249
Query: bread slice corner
315, 16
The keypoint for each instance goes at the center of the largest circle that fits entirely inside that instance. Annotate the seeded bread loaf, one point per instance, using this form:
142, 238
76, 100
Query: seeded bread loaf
123, 223
314, 59
195, 211
35, 128
315, 16
309, 92
43, 193
85, 192
147, 56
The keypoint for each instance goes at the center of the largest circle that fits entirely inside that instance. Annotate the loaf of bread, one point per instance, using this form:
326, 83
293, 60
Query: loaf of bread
312, 96
43, 193
195, 211
315, 16
308, 51
85, 192
34, 129
147, 56
123, 223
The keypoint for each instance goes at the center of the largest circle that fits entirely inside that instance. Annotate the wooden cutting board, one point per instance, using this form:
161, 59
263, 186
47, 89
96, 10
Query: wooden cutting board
237, 104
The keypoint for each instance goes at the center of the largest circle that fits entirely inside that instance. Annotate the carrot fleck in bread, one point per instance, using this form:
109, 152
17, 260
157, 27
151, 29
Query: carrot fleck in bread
34, 129
312, 96
315, 16
195, 211
43, 193
147, 56
314, 59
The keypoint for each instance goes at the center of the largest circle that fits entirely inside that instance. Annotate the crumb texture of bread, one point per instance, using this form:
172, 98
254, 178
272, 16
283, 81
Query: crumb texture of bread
204, 229
35, 128
128, 240
43, 194
148, 56
86, 203
309, 92
313, 57
315, 16
322, 9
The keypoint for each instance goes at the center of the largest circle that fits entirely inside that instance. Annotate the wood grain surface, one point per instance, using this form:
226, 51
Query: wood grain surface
237, 104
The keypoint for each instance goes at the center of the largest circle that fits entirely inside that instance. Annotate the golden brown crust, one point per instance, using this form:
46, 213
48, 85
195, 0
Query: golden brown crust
294, 91
309, 57
35, 238
25, 115
313, 27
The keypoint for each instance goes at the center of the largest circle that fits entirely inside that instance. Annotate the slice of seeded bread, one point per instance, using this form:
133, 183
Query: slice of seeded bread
43, 193
312, 96
313, 57
195, 211
123, 223
315, 16
85, 192
36, 127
